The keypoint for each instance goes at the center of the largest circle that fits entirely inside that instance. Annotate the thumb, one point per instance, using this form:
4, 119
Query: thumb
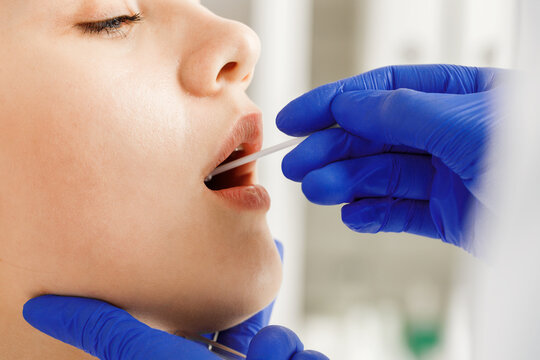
396, 117
274, 343
105, 331
441, 124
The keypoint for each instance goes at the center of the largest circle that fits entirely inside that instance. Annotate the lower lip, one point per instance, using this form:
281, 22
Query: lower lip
252, 197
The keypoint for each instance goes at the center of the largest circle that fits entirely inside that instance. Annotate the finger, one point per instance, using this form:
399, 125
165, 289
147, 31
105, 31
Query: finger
239, 337
311, 112
105, 331
331, 145
451, 206
423, 121
274, 343
390, 215
309, 355
401, 117
396, 175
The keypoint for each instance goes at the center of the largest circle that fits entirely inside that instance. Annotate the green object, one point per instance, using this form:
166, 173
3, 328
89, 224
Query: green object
422, 338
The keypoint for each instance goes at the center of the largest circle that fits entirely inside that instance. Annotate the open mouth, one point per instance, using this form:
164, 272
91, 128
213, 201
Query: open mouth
245, 138
240, 176
237, 186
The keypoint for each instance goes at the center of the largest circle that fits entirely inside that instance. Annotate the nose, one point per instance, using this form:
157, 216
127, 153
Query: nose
225, 54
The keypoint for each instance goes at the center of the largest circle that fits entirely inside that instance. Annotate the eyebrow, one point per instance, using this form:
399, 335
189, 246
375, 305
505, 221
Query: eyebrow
86, 7
99, 8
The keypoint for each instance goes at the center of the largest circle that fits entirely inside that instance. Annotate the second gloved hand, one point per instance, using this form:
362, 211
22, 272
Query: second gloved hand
410, 154
110, 333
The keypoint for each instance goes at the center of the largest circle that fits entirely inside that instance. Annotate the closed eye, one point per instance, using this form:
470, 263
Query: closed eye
113, 26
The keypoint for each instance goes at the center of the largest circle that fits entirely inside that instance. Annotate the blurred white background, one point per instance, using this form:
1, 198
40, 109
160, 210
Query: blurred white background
355, 296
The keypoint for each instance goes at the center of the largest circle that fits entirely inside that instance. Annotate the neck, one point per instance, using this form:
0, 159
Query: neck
19, 340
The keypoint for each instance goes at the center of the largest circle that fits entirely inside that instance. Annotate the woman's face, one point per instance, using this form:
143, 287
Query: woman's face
107, 132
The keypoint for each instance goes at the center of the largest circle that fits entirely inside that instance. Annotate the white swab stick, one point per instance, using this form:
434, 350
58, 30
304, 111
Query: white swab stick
250, 158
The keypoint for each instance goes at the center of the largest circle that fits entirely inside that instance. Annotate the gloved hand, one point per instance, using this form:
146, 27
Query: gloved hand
277, 342
110, 333
107, 332
409, 156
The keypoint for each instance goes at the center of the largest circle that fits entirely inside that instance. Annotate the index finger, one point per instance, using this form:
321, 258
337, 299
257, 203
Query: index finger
311, 112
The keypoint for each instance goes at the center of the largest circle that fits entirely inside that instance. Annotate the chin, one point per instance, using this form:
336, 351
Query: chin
219, 313
228, 299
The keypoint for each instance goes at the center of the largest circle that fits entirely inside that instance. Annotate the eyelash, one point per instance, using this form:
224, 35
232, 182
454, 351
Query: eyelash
111, 26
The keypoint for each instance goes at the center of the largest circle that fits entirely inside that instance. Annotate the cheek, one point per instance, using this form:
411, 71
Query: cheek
98, 177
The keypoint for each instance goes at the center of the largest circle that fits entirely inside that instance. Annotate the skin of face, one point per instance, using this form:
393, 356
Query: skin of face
105, 140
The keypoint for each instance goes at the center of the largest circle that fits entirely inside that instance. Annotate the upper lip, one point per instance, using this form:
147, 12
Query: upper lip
248, 130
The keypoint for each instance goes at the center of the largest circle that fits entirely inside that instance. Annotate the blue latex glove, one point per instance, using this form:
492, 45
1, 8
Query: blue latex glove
277, 342
110, 333
409, 156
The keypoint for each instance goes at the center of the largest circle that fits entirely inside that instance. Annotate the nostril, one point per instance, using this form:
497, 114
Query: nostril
229, 66
227, 69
